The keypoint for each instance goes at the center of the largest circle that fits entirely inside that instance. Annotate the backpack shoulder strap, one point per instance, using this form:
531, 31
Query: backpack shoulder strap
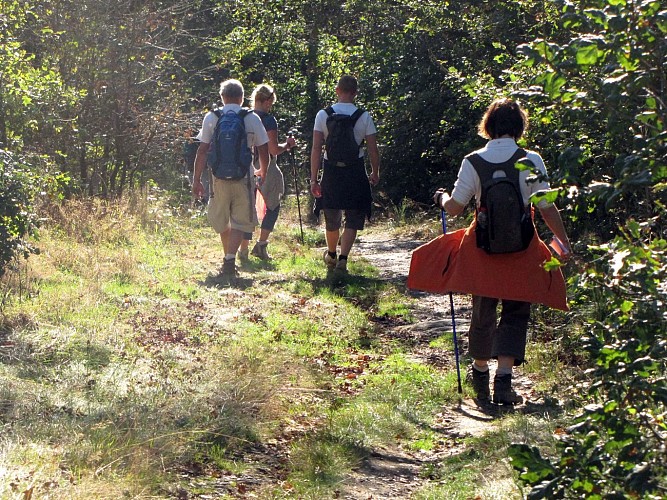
356, 115
244, 112
217, 112
483, 168
329, 110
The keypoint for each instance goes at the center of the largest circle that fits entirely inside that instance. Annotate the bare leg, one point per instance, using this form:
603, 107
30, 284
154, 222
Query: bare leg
505, 363
332, 240
347, 240
234, 241
224, 238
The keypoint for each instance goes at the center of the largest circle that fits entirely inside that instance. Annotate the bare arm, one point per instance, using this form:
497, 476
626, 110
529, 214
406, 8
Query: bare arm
554, 222
315, 159
374, 157
446, 203
200, 166
277, 149
263, 154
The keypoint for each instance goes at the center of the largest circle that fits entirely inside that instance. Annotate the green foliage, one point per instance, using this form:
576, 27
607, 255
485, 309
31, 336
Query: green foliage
18, 187
598, 99
600, 113
616, 442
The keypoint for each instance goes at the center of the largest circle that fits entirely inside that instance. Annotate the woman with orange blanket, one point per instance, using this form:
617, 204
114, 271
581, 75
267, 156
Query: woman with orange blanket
511, 278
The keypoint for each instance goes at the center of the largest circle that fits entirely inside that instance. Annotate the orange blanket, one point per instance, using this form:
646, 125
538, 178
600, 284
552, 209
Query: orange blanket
453, 263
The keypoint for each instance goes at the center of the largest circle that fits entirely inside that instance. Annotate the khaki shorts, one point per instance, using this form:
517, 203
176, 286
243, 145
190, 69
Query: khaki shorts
232, 204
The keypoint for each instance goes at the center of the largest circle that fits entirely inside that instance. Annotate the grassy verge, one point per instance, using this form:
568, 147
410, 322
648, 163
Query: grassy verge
126, 370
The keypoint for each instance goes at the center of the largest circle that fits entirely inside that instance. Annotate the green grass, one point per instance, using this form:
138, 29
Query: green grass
122, 364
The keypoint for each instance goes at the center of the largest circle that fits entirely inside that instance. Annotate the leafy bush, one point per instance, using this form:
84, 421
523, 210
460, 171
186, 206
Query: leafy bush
18, 187
616, 446
597, 99
601, 109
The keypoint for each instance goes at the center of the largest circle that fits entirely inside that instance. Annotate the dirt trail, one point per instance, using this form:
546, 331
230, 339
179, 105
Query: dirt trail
393, 472
396, 473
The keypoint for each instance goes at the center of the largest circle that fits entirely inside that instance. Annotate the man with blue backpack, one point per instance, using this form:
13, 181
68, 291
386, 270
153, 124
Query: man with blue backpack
227, 138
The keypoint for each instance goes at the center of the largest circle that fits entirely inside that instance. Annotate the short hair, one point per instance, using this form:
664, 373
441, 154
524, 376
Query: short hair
503, 117
348, 83
231, 89
263, 93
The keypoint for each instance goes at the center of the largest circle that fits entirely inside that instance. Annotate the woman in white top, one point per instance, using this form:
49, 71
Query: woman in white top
503, 124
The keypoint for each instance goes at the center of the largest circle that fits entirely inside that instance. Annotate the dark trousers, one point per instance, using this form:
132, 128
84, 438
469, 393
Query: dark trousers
507, 338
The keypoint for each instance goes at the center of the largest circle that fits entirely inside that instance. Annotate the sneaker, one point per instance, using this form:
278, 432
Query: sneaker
480, 383
260, 251
503, 394
229, 268
341, 266
330, 261
243, 254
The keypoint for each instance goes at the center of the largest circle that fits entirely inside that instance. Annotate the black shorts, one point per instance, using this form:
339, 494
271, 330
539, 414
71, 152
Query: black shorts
354, 219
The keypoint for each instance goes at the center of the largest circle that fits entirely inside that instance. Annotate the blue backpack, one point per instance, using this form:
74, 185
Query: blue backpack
229, 155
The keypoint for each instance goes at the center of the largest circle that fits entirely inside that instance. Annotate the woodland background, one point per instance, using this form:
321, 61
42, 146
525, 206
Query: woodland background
99, 99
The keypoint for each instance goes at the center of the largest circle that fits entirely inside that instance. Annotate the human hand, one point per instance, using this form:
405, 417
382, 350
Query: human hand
291, 142
374, 178
316, 189
440, 197
260, 174
562, 250
198, 189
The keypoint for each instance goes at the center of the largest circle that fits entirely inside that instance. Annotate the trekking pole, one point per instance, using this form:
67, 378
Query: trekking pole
451, 307
296, 185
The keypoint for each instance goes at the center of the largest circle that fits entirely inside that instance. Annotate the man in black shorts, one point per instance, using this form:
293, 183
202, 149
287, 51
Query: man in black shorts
345, 185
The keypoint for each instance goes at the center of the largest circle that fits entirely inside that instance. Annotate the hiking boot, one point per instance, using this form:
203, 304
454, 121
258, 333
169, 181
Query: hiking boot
228, 268
243, 254
260, 251
341, 266
480, 383
329, 260
503, 394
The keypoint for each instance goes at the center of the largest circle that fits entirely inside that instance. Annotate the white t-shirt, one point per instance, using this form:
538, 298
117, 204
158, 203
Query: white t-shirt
468, 185
364, 126
255, 133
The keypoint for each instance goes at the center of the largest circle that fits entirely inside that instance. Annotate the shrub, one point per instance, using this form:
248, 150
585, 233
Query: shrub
615, 447
18, 188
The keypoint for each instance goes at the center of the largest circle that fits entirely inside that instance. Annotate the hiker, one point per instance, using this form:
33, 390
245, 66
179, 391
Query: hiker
273, 186
503, 124
232, 203
344, 187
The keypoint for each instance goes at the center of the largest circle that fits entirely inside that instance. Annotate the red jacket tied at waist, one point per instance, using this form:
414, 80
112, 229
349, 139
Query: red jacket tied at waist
453, 263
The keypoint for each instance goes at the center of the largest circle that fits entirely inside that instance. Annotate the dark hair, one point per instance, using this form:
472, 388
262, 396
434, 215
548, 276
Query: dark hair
503, 117
348, 83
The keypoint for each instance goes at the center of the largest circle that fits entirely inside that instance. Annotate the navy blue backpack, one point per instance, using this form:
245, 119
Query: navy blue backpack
229, 155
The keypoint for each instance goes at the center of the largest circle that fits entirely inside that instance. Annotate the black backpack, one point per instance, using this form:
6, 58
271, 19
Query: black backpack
229, 155
341, 146
504, 224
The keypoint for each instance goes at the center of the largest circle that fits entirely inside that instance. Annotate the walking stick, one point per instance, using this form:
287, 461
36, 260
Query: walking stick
451, 307
296, 186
